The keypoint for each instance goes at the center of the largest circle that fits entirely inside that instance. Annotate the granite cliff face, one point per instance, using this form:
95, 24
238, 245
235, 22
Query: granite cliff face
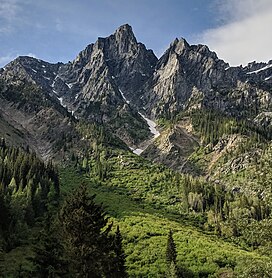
118, 83
96, 86
191, 76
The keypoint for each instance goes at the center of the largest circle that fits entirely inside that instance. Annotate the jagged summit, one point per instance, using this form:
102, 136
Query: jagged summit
116, 77
124, 29
179, 45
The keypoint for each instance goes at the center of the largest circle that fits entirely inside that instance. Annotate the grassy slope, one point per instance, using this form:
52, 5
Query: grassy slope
135, 197
145, 228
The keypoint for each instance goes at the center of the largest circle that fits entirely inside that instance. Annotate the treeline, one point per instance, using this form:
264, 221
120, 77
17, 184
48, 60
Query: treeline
99, 135
28, 188
228, 211
212, 125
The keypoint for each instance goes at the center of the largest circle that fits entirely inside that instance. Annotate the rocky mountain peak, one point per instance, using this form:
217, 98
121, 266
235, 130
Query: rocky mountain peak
122, 42
84, 56
116, 77
125, 28
179, 45
125, 32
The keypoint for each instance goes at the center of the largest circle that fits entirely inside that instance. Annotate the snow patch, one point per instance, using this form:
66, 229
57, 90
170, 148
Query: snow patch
53, 84
34, 70
44, 71
46, 77
267, 78
70, 85
61, 102
43, 66
138, 151
261, 69
152, 126
125, 99
65, 106
72, 112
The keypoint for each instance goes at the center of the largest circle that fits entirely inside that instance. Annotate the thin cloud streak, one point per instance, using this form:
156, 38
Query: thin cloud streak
6, 59
245, 37
8, 9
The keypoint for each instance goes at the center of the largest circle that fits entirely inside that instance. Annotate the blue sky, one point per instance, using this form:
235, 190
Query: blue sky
56, 30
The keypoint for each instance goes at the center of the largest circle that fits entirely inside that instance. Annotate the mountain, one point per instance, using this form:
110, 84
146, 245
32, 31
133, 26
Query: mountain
116, 82
191, 76
95, 86
179, 143
101, 79
33, 112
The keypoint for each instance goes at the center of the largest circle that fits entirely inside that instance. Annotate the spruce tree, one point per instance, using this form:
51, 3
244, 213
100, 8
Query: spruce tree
171, 257
171, 253
48, 257
86, 232
119, 268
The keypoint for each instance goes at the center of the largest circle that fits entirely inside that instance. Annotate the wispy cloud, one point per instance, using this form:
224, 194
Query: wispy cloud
8, 9
8, 58
243, 34
8, 12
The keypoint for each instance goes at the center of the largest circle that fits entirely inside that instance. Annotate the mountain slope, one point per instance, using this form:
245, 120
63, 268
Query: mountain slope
35, 114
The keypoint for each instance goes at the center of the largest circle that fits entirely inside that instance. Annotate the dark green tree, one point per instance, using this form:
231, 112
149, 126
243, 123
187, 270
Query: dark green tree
171, 257
48, 253
119, 268
171, 253
86, 232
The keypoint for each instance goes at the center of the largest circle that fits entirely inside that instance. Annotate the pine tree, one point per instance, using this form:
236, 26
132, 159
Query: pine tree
48, 253
171, 253
86, 230
119, 268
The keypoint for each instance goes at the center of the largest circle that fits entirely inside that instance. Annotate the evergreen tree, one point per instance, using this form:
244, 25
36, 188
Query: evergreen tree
5, 217
86, 231
119, 269
171, 257
48, 253
171, 253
